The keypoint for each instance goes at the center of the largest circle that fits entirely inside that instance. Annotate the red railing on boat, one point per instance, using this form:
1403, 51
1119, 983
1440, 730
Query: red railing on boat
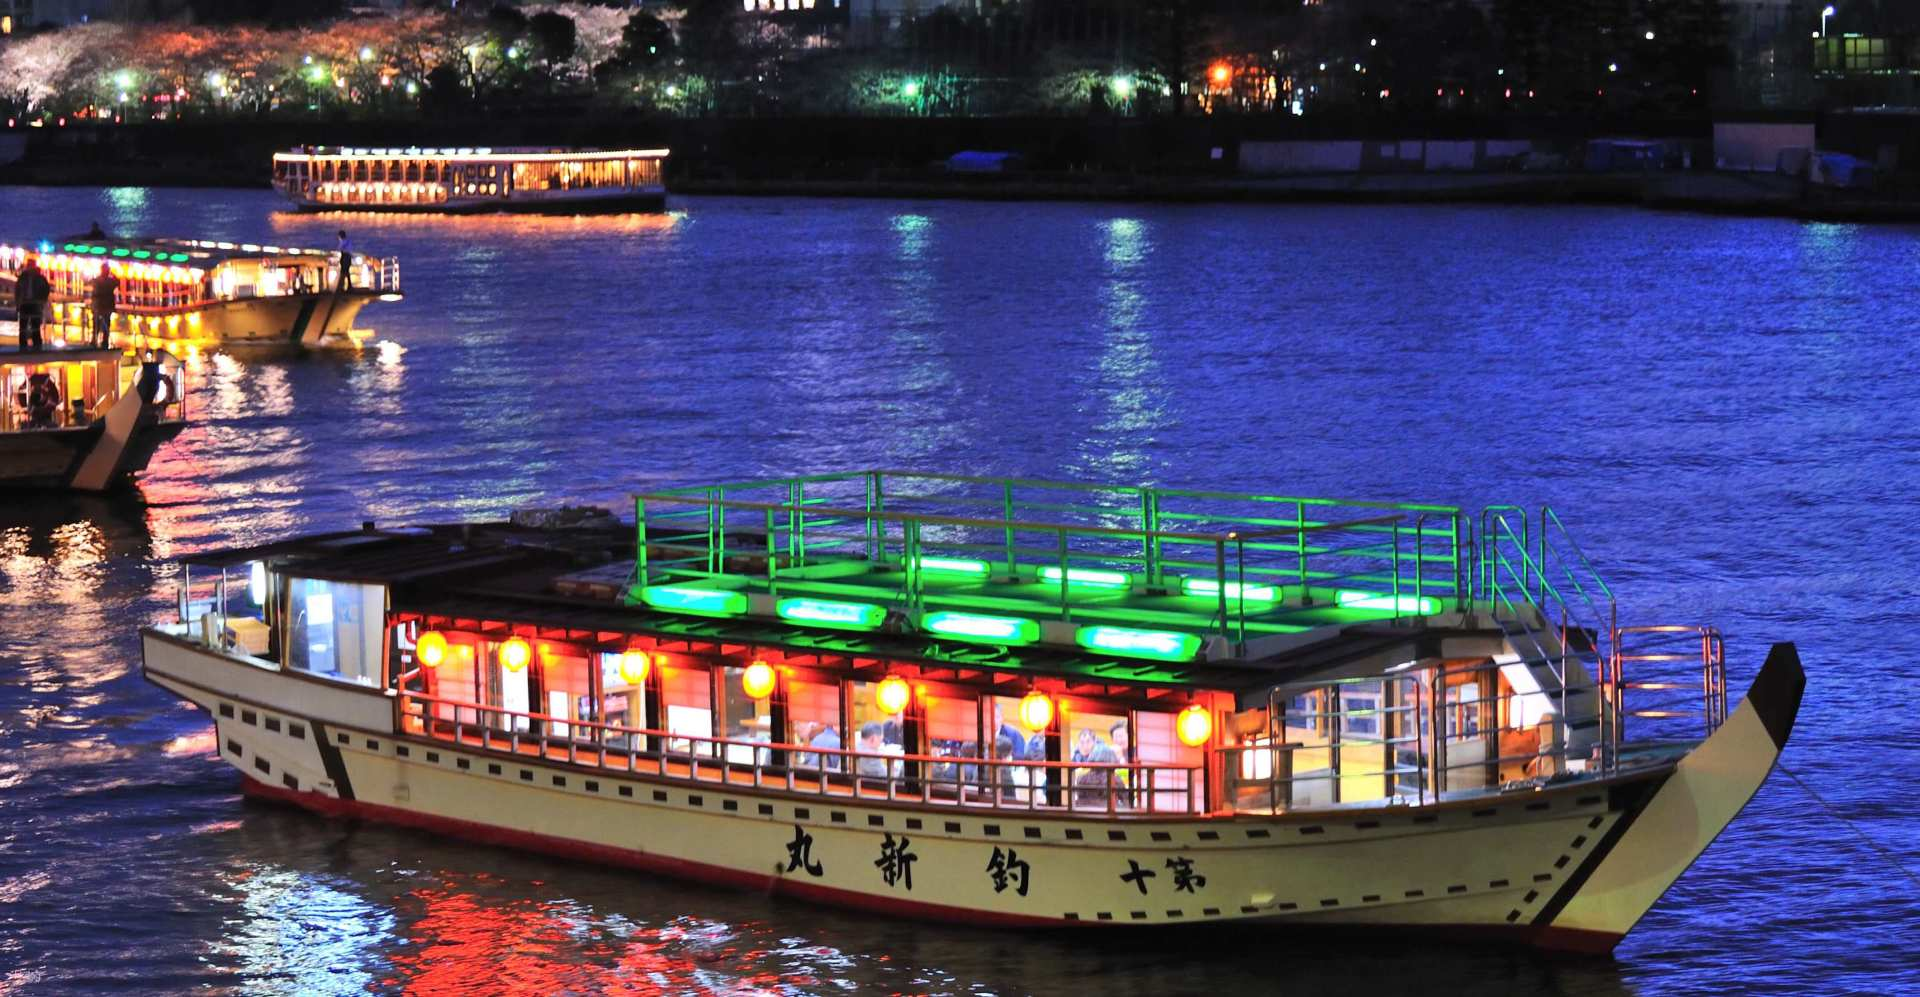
1115, 789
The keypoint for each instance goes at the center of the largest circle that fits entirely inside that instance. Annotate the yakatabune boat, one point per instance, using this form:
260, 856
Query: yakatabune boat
189, 292
521, 179
86, 419
1003, 701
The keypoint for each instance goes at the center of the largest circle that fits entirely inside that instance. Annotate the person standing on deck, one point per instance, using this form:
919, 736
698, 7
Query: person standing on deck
346, 261
104, 289
30, 294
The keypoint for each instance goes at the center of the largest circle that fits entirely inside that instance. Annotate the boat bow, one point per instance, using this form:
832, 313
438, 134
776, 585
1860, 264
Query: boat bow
1647, 850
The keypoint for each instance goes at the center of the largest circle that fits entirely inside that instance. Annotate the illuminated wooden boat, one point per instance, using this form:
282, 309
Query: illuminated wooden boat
521, 179
189, 293
1003, 702
85, 419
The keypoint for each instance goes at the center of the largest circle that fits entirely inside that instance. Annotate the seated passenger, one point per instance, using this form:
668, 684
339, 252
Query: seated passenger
827, 738
870, 741
1014, 780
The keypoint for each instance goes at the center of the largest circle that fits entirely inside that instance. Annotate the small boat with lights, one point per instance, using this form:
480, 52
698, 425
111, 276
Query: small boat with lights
86, 419
532, 179
191, 293
1003, 702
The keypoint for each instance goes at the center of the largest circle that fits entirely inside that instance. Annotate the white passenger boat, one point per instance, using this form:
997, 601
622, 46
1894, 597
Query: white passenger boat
85, 419
535, 179
196, 293
1003, 702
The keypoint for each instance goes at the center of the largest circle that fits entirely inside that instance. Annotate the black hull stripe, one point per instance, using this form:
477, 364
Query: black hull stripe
330, 757
1631, 812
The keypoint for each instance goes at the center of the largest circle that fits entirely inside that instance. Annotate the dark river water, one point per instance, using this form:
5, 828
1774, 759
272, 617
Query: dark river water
1725, 411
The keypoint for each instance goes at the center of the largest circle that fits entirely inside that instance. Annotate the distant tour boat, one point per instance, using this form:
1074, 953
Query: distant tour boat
519, 179
187, 292
85, 419
1004, 702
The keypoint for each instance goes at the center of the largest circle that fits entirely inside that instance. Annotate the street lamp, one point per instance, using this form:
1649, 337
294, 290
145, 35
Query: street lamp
1828, 12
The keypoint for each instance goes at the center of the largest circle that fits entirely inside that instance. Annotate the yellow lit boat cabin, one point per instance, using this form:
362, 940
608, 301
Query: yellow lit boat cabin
194, 293
519, 179
86, 419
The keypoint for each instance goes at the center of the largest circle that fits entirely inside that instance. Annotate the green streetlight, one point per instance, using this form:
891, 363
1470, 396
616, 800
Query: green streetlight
123, 79
910, 89
1122, 87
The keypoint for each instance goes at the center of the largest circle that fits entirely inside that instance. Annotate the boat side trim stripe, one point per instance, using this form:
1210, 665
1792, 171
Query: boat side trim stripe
330, 758
1629, 813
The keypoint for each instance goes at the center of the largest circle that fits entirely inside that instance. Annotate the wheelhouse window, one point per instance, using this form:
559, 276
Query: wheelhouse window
336, 629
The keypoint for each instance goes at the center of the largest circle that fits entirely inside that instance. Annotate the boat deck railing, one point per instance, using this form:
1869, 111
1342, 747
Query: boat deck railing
1117, 790
851, 551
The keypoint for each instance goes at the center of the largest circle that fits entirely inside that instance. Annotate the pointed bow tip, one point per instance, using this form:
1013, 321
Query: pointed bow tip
1776, 692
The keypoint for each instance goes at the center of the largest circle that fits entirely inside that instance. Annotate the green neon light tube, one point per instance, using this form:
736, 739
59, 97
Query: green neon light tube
983, 629
98, 250
1160, 645
1235, 590
1423, 605
700, 602
123, 252
1089, 577
827, 613
955, 566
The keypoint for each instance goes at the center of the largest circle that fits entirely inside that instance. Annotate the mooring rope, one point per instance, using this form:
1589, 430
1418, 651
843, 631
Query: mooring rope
1834, 812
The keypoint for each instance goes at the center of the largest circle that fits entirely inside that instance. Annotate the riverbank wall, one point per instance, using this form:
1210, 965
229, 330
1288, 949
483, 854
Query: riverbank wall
1195, 159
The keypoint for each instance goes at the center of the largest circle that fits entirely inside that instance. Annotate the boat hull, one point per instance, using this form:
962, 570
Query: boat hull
1514, 866
638, 201
312, 320
56, 458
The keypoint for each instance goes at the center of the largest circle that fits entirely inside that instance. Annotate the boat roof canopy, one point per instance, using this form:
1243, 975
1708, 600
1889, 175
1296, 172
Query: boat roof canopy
484, 154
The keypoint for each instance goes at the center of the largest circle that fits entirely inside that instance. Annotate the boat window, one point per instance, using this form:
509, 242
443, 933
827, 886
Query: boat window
864, 711
1159, 744
622, 703
336, 629
457, 678
744, 718
953, 730
566, 689
687, 694
1101, 738
1008, 738
813, 714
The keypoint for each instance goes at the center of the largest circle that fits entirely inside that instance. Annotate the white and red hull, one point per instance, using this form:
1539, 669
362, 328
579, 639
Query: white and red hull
1569, 866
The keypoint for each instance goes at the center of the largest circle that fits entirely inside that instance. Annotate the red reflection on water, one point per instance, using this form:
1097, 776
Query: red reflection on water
464, 942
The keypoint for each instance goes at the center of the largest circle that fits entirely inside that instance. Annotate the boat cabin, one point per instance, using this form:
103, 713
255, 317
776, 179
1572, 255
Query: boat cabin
973, 642
450, 179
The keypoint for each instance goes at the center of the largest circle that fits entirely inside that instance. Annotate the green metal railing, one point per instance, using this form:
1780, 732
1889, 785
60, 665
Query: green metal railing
1239, 565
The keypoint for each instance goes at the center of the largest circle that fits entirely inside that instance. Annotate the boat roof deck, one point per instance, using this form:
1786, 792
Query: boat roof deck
204, 253
1217, 588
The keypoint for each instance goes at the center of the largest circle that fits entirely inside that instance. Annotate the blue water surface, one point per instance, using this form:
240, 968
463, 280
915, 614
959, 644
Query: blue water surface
1724, 410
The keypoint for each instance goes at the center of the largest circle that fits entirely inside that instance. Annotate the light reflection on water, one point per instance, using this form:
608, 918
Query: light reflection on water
1722, 407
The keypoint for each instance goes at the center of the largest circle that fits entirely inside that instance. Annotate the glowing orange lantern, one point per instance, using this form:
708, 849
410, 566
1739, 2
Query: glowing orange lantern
634, 666
892, 695
515, 654
1194, 725
1036, 711
1221, 73
430, 649
757, 680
